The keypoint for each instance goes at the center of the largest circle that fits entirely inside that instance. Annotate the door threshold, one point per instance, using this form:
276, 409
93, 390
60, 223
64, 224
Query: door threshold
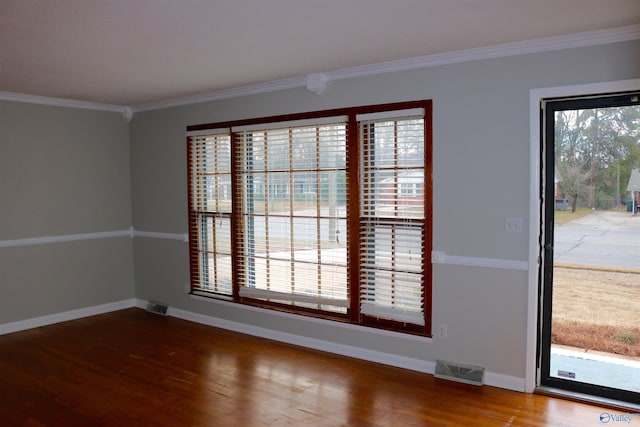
589, 399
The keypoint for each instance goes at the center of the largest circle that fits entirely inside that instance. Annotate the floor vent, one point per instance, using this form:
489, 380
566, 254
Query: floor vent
157, 308
468, 374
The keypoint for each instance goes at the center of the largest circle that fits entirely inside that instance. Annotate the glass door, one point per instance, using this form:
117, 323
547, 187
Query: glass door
590, 287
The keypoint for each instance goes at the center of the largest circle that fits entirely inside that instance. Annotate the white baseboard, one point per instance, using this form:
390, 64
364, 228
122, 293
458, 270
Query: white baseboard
505, 381
37, 322
316, 344
425, 366
492, 379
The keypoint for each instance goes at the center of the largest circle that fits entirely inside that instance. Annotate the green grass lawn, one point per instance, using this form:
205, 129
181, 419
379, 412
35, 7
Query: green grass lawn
563, 217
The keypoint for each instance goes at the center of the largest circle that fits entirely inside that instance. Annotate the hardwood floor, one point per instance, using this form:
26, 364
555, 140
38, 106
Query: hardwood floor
132, 368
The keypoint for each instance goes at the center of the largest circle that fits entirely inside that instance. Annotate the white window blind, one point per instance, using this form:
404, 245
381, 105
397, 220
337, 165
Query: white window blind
325, 213
392, 218
292, 204
210, 210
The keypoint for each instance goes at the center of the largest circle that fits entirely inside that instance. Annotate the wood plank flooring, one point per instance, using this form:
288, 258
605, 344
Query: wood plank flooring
132, 368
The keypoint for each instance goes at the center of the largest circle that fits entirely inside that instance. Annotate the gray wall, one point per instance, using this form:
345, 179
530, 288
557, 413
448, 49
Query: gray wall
66, 171
63, 171
481, 176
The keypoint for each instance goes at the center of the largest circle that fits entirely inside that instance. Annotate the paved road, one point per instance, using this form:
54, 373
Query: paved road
604, 238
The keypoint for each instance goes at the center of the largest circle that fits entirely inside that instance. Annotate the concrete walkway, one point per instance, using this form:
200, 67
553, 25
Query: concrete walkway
594, 368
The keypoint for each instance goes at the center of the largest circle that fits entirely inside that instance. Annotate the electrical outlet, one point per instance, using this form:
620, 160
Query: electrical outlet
442, 331
513, 224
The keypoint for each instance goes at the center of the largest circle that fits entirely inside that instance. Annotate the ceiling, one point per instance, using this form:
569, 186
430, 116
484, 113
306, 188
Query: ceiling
139, 52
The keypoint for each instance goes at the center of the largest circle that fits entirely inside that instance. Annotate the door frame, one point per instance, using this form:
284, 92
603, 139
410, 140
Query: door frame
536, 228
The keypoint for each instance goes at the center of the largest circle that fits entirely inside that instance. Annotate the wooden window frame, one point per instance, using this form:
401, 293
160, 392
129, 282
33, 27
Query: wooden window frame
353, 215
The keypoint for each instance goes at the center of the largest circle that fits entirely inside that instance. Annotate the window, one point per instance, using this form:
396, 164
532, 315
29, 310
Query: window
392, 232
210, 207
325, 213
290, 251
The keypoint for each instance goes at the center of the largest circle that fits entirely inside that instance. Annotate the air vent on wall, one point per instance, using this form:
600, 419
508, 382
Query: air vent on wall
468, 374
157, 308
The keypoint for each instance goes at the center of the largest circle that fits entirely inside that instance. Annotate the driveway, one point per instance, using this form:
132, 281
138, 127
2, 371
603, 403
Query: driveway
604, 238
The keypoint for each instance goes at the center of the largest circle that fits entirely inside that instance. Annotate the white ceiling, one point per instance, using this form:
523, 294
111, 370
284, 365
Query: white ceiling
137, 52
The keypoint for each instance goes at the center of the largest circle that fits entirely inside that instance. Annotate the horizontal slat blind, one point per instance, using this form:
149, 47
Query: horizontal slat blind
392, 219
300, 124
210, 216
292, 197
390, 114
326, 213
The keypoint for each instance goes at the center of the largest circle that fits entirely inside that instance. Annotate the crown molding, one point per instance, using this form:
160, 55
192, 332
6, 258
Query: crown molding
254, 89
547, 44
63, 102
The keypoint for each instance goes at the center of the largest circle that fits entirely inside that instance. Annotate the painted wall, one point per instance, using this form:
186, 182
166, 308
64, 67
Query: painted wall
67, 171
63, 172
481, 176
